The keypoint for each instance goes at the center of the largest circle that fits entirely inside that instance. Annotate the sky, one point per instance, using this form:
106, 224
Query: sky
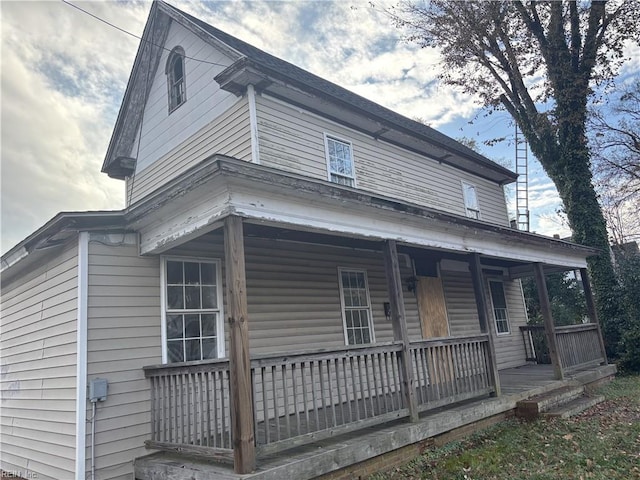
64, 74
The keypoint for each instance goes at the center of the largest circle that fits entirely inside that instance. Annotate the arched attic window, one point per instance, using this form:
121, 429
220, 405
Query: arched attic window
176, 78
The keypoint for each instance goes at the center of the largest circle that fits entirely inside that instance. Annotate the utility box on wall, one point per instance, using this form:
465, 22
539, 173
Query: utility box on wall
98, 389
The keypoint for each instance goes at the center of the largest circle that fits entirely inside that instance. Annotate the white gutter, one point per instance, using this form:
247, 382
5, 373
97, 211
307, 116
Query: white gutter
81, 357
253, 122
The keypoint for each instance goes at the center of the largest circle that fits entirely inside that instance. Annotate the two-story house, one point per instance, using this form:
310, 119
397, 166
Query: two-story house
294, 264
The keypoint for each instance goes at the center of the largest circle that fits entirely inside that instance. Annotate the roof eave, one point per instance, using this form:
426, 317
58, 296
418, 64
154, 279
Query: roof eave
246, 71
136, 91
44, 237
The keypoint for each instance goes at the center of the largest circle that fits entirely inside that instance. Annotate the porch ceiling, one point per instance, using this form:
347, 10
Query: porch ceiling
516, 269
200, 199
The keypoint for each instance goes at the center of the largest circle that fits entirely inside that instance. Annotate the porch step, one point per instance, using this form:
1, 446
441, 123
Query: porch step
533, 407
574, 407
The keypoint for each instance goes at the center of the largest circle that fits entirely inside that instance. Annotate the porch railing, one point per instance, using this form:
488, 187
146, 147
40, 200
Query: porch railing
579, 346
306, 396
535, 344
190, 410
450, 370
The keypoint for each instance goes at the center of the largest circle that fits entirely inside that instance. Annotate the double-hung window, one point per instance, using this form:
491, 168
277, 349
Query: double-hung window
472, 209
176, 78
192, 309
356, 307
340, 161
499, 302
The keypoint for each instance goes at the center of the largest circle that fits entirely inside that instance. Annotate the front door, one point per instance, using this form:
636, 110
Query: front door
432, 307
433, 318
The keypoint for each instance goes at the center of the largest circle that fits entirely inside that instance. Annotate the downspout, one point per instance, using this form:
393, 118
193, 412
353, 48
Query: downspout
253, 123
81, 355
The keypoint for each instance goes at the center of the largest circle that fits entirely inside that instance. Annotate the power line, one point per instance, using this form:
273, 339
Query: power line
136, 36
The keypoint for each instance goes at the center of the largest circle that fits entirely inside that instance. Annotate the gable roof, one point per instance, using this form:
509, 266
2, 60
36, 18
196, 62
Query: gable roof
250, 57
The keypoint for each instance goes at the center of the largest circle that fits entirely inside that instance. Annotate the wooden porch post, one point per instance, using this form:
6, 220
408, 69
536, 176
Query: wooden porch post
399, 319
242, 428
483, 317
549, 326
591, 309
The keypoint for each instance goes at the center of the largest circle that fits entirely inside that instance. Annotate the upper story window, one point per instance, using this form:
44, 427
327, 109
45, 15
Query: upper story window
472, 209
176, 78
340, 161
499, 302
192, 309
356, 307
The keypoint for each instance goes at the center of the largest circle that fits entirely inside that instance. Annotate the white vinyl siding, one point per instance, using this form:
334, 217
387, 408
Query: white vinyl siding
356, 307
294, 293
463, 315
510, 348
229, 134
163, 129
461, 304
38, 371
294, 296
124, 335
292, 139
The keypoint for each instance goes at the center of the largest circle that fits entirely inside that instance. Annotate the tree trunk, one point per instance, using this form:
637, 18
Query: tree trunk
573, 179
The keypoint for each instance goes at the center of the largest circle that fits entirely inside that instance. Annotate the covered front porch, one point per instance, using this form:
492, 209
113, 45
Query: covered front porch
291, 388
249, 407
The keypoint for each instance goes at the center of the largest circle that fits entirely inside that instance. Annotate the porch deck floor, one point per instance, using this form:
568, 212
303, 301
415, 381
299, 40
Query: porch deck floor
309, 461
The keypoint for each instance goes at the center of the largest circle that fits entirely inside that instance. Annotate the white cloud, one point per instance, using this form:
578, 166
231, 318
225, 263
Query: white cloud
632, 66
63, 77
550, 225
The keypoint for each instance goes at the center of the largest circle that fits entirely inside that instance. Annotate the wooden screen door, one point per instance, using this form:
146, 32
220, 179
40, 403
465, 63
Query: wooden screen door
433, 318
432, 307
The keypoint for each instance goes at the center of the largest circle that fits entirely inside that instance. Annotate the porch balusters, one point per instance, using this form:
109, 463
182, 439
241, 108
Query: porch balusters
570, 347
451, 370
302, 397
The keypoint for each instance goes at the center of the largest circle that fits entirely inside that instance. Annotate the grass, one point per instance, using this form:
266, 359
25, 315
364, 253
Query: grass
601, 443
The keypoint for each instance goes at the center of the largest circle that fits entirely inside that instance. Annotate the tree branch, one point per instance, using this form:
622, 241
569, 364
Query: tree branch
593, 37
576, 38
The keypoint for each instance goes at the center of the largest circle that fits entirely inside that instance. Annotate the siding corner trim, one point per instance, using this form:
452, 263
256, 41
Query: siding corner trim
81, 349
253, 121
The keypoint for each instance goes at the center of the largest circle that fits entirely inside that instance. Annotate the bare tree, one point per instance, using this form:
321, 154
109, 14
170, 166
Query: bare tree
621, 214
540, 61
615, 146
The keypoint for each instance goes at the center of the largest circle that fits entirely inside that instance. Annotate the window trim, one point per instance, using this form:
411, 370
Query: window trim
372, 332
493, 308
177, 51
467, 209
220, 337
337, 138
